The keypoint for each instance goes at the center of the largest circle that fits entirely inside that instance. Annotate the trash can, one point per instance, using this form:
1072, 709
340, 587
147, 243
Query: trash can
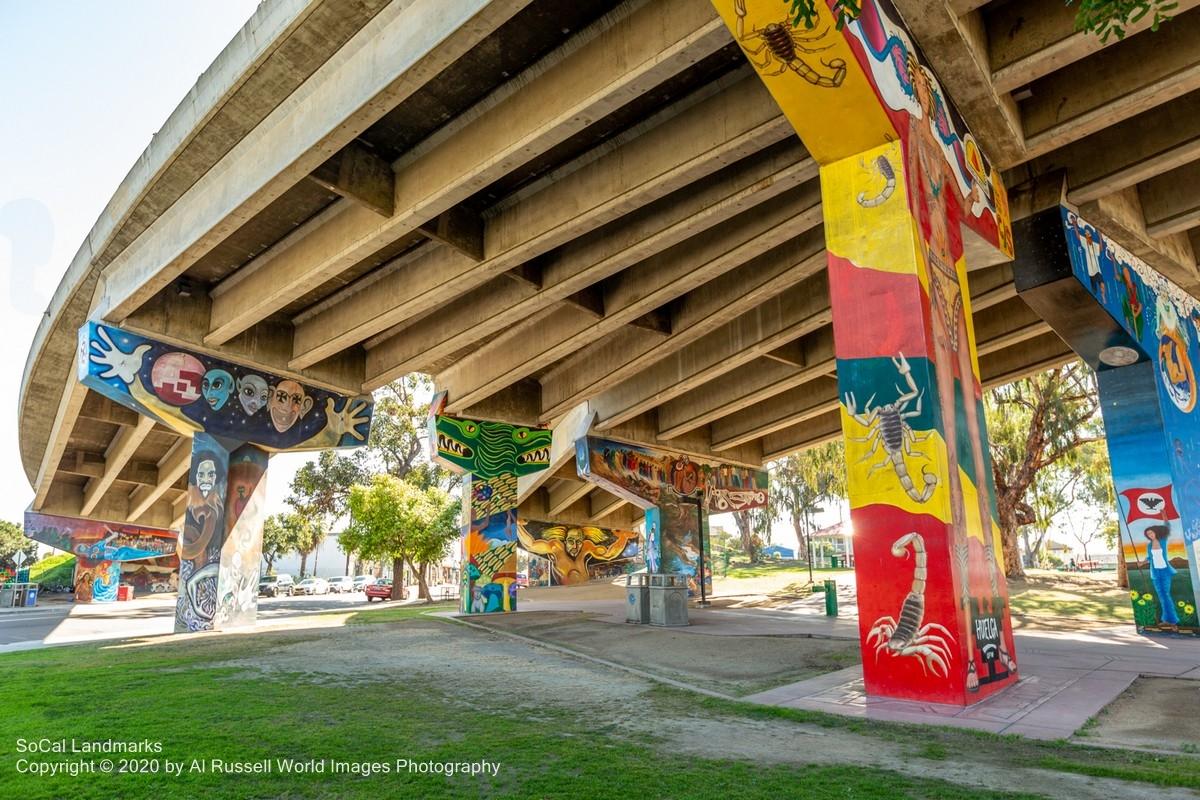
8, 595
125, 592
31, 593
637, 598
668, 600
831, 609
835, 561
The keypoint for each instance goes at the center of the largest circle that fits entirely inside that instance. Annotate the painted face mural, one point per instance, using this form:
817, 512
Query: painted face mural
206, 476
216, 387
190, 392
253, 393
572, 550
287, 405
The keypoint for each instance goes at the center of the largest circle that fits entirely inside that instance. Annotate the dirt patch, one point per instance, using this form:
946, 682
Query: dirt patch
751, 664
474, 669
1156, 713
418, 650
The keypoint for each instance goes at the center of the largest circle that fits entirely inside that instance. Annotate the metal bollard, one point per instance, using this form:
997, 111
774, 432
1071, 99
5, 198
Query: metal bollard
831, 608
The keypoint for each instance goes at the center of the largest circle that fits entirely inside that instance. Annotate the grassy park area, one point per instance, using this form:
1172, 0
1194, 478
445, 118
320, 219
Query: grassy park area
411, 687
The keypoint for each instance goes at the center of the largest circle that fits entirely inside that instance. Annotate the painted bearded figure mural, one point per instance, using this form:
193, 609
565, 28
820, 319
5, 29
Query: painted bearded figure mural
201, 539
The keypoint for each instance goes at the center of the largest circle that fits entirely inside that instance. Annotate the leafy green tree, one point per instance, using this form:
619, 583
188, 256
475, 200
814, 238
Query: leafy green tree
321, 491
1035, 423
1105, 18
801, 483
281, 535
12, 540
393, 520
400, 434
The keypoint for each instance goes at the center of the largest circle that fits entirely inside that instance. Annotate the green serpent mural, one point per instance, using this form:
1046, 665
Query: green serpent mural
491, 449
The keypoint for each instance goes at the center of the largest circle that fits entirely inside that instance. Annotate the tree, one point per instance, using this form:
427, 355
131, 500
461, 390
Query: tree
1104, 18
394, 520
399, 433
754, 527
280, 536
800, 483
320, 492
1034, 423
12, 540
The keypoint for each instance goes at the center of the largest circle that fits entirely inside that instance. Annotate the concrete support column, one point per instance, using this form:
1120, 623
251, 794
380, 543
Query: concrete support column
1160, 560
221, 544
492, 455
235, 416
933, 605
677, 493
96, 581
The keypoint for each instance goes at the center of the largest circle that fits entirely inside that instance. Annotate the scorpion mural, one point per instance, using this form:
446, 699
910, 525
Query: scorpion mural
884, 167
889, 429
780, 45
931, 642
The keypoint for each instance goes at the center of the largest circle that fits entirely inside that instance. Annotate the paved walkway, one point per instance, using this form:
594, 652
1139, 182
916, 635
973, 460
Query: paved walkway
1065, 678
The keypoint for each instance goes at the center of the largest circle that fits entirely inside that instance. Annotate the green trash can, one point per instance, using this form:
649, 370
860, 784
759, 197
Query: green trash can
831, 609
835, 561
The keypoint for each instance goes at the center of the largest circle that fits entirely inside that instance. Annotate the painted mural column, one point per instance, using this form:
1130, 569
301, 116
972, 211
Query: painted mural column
236, 417
678, 493
491, 455
904, 185
100, 548
1149, 407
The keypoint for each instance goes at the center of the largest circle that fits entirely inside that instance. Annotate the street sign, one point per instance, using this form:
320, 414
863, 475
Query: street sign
19, 557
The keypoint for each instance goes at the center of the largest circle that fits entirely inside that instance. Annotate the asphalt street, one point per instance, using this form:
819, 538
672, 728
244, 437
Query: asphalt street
57, 620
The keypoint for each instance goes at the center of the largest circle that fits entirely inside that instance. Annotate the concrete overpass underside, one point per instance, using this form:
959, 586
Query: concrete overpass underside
543, 204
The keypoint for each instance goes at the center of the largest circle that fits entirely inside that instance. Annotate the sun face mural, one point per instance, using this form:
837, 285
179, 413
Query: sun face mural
190, 392
573, 549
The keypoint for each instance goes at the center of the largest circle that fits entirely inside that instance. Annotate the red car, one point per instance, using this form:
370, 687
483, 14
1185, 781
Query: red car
379, 590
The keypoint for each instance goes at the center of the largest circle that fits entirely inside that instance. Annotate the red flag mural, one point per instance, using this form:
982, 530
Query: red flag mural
1150, 504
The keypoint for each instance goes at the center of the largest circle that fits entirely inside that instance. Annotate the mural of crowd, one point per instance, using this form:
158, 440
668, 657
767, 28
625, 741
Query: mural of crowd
105, 552
1152, 431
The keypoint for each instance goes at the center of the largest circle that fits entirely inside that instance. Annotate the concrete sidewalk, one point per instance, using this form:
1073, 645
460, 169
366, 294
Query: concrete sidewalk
1065, 678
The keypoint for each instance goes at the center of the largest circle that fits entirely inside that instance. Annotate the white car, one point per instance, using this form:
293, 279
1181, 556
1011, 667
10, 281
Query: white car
343, 583
362, 582
312, 586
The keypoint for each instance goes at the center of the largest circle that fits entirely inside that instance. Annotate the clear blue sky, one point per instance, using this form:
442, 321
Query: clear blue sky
84, 84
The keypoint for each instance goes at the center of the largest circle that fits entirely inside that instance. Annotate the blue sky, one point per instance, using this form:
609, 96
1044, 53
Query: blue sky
83, 87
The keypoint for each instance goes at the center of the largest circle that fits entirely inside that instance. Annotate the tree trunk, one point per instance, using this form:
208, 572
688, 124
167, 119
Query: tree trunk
1008, 538
746, 529
303, 565
397, 578
347, 563
1122, 570
423, 583
270, 559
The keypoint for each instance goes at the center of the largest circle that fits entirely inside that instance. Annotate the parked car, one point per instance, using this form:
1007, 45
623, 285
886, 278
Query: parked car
379, 590
312, 586
342, 583
276, 585
362, 582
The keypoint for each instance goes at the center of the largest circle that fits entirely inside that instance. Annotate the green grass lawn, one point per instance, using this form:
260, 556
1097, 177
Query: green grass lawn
768, 568
188, 696
1091, 596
